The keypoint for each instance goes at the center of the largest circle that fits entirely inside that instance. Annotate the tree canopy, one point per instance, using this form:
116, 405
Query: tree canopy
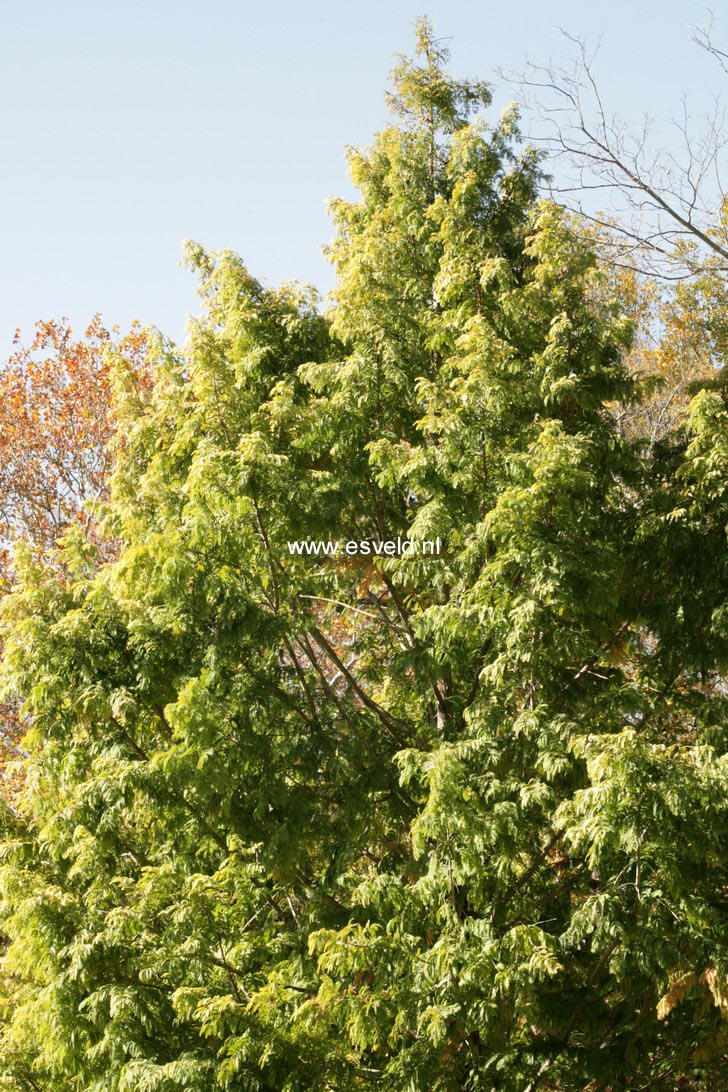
294, 822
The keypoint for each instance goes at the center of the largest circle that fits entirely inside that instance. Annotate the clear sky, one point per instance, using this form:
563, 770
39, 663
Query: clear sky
128, 127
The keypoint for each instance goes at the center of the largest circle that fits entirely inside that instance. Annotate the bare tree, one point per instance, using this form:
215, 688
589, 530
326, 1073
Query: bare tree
704, 37
665, 208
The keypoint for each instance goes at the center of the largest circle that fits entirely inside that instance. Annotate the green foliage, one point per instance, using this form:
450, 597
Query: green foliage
297, 823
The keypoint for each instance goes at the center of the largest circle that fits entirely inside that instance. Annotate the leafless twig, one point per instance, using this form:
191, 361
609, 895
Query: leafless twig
664, 205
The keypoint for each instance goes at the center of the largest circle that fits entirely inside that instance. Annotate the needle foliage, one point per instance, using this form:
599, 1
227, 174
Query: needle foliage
294, 823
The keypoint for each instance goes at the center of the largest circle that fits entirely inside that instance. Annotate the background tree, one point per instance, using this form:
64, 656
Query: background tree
55, 428
667, 210
678, 347
55, 452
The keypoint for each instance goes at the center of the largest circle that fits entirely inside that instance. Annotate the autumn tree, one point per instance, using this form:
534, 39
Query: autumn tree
55, 445
678, 347
55, 428
432, 823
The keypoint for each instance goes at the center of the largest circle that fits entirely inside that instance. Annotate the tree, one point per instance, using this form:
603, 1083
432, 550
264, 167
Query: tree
55, 446
302, 822
678, 348
655, 215
55, 429
667, 213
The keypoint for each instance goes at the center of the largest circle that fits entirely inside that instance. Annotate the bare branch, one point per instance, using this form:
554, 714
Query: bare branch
665, 205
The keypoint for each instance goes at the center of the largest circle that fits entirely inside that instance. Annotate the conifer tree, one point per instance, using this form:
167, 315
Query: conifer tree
304, 822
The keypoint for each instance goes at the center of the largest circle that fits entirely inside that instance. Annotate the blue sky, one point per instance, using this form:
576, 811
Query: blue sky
126, 128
